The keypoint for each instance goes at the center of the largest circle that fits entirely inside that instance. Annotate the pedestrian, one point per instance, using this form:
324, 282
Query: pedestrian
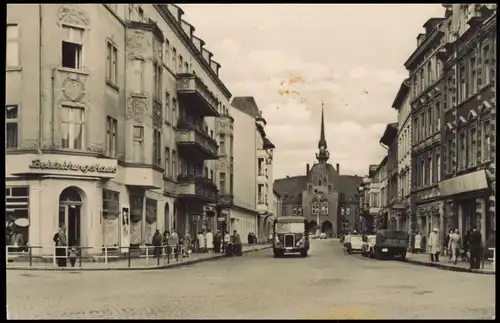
250, 239
475, 248
217, 241
61, 246
423, 243
237, 244
418, 242
175, 243
186, 244
201, 242
209, 237
254, 241
72, 255
446, 242
454, 245
156, 241
467, 241
434, 246
226, 241
165, 238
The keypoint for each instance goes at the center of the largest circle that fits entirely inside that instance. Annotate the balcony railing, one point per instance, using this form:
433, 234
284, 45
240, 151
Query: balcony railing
194, 94
197, 186
192, 135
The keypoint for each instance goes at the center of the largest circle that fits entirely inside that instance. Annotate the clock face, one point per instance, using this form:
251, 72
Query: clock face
322, 147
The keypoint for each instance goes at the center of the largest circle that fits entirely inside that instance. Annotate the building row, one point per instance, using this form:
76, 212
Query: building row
439, 171
118, 124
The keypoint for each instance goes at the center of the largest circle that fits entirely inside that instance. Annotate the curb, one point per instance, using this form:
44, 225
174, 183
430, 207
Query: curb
173, 265
449, 268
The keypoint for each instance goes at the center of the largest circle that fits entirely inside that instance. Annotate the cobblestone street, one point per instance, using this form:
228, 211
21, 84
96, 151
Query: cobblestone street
327, 284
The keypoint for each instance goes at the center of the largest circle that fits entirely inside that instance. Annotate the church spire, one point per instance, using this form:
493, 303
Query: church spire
323, 154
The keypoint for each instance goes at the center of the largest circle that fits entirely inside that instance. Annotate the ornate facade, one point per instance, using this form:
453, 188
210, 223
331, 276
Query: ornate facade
119, 133
327, 199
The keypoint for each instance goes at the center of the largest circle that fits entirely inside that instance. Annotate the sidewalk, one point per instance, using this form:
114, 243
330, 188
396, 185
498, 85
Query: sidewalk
135, 263
424, 260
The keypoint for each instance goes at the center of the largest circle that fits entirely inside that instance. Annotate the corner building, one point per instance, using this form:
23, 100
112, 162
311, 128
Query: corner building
111, 117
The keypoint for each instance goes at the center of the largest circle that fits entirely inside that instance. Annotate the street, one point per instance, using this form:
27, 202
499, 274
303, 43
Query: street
327, 284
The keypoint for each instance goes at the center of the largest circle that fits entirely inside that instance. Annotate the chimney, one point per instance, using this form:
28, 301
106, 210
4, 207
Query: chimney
338, 168
307, 169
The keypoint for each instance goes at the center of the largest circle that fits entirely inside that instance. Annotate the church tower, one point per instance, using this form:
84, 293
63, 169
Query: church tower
323, 155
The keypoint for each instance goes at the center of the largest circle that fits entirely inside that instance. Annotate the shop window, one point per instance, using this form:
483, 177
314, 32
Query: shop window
17, 218
151, 219
110, 214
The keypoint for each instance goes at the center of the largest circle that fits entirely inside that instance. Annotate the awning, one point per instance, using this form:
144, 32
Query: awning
464, 183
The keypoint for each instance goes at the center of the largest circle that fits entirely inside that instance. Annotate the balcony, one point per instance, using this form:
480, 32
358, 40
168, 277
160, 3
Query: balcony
262, 205
195, 96
193, 141
225, 200
197, 187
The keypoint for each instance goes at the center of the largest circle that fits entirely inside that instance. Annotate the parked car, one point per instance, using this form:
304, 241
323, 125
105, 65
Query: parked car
322, 235
353, 243
368, 245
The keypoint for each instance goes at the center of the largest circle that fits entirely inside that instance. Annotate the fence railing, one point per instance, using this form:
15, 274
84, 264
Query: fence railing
167, 253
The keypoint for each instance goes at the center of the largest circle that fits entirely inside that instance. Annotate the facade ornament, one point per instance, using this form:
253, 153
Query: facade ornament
136, 109
72, 14
73, 89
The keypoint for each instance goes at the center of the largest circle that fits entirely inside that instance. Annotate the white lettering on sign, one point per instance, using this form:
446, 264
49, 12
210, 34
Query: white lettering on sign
69, 166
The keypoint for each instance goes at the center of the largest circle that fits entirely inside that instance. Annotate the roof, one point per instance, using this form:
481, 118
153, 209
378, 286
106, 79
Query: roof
268, 144
292, 219
401, 95
390, 133
290, 189
276, 193
248, 105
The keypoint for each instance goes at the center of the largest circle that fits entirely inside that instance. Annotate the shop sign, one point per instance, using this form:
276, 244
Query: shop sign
221, 219
70, 166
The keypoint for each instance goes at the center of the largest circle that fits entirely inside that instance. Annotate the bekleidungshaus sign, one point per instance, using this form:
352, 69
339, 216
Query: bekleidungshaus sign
70, 166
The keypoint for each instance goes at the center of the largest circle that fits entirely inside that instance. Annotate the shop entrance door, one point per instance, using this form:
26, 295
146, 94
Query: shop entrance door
70, 205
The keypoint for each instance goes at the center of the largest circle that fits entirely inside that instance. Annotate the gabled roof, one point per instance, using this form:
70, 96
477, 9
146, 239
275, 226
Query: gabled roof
390, 134
401, 95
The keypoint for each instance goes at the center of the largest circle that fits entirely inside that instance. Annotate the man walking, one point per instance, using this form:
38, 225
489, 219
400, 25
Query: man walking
434, 245
217, 241
238, 248
454, 246
475, 248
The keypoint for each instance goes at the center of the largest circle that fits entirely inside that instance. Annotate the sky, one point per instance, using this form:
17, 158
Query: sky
293, 58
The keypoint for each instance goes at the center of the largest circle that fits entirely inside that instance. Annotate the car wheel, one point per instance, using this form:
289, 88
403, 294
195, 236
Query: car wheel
377, 254
303, 253
276, 253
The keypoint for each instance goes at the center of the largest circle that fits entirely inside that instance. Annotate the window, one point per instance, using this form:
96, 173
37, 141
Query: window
12, 126
17, 207
486, 151
222, 183
324, 208
157, 147
438, 168
138, 142
438, 117
186, 67
422, 81
157, 81
166, 55
415, 86
429, 122
174, 59
72, 127
422, 171
111, 64
421, 130
211, 175
430, 78
181, 63
138, 79
315, 208
462, 151
472, 147
260, 194
205, 172
175, 171
167, 161
111, 140
72, 47
140, 12
449, 152
174, 110
473, 75
463, 84
430, 172
166, 111
415, 131
222, 144
12, 50
486, 65
260, 167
